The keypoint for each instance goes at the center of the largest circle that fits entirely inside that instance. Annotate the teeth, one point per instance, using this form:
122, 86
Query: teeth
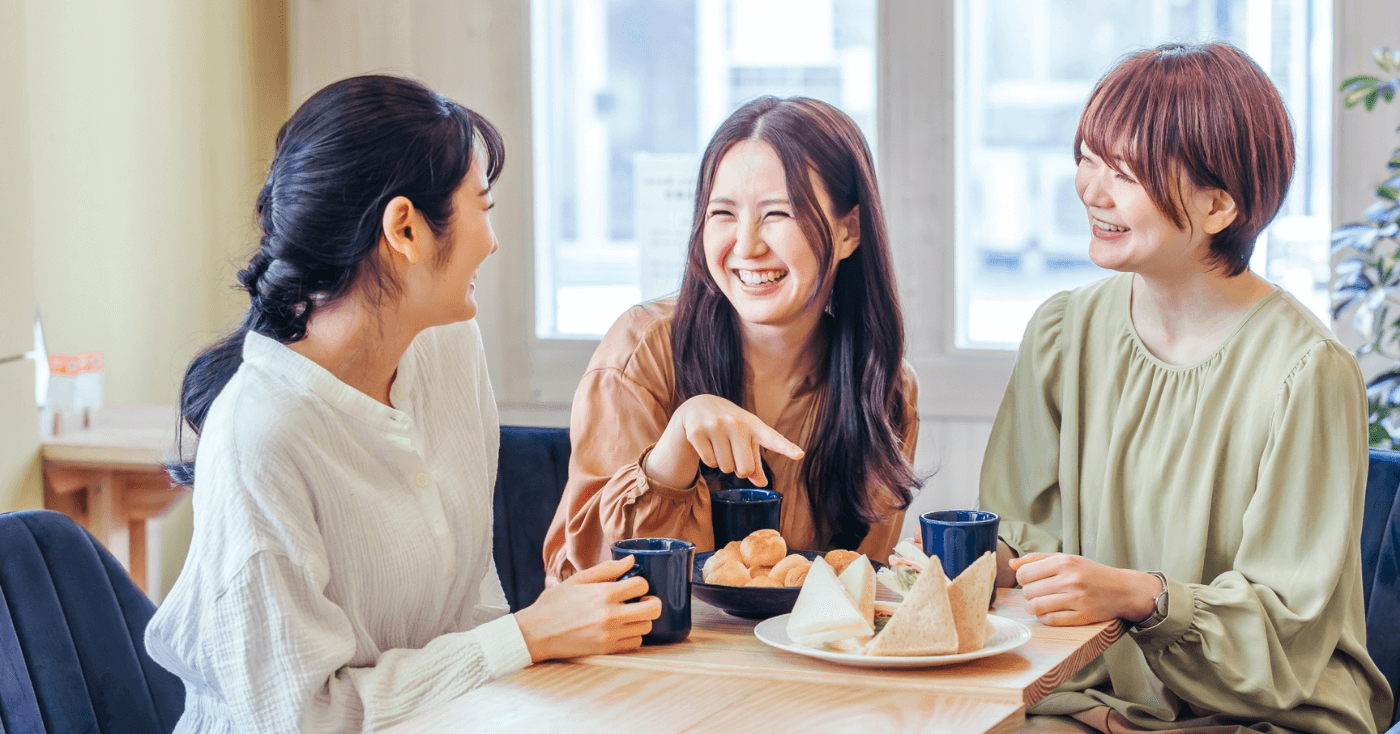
1109, 227
761, 277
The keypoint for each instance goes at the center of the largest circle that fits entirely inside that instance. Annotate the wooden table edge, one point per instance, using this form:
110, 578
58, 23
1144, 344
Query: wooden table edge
828, 673
817, 677
1066, 668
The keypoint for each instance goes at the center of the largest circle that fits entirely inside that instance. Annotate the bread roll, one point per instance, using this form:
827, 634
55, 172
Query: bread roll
762, 581
721, 557
840, 559
763, 548
732, 573
779, 571
760, 571
796, 575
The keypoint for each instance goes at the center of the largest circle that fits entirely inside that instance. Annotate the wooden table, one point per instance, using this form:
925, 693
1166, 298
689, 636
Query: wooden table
723, 679
110, 477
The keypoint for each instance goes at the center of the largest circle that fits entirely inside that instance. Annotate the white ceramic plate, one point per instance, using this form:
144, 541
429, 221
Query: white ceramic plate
1007, 634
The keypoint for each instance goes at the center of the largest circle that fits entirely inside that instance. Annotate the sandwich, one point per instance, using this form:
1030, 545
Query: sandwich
825, 611
923, 624
969, 595
906, 563
937, 617
859, 581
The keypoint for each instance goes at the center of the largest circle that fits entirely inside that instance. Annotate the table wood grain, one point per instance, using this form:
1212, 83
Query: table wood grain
566, 697
724, 679
721, 644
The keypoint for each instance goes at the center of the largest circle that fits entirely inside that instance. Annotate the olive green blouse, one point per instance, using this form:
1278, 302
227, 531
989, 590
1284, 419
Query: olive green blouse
1241, 478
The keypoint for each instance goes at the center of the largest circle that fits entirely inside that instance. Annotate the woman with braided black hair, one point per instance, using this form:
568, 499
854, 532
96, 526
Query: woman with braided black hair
340, 575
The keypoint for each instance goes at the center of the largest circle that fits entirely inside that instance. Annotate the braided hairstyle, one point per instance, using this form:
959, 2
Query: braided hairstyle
346, 153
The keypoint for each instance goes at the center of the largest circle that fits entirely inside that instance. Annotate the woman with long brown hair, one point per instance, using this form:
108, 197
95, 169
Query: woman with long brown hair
779, 364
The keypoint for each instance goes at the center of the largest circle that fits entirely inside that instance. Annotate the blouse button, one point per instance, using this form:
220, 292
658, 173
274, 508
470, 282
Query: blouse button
452, 568
421, 480
396, 394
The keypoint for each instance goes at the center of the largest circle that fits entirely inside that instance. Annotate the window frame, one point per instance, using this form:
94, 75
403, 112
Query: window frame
478, 51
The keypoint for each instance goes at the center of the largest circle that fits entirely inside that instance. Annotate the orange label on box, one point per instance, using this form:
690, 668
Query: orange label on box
75, 364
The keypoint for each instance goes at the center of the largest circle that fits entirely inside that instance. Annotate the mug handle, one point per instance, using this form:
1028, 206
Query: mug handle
635, 570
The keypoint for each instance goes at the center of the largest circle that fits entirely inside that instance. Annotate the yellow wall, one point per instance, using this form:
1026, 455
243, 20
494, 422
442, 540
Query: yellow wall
149, 136
129, 162
19, 443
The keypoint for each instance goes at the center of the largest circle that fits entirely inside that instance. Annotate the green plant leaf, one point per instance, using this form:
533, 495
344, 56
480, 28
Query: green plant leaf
1378, 436
1360, 81
1355, 96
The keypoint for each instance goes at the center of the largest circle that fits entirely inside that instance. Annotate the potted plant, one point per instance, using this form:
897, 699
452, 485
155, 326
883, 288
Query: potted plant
1371, 273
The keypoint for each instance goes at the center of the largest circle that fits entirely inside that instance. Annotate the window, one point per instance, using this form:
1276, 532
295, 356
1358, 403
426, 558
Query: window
1025, 68
626, 93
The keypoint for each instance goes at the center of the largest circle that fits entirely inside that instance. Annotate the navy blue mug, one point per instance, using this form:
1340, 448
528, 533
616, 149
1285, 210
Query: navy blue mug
958, 537
735, 513
665, 564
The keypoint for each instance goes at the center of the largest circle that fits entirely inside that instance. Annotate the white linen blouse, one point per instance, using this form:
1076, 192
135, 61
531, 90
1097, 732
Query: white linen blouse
340, 575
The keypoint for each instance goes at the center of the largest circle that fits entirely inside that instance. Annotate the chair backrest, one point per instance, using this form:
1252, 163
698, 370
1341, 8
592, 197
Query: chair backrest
534, 466
1380, 565
72, 626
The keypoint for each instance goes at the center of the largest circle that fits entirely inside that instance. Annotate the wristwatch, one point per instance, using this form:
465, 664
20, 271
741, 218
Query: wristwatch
1159, 606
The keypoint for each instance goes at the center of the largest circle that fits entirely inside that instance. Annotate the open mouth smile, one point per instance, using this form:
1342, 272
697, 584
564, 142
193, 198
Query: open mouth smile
1102, 227
759, 278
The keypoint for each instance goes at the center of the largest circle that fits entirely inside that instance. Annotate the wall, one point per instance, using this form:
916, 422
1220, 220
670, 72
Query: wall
146, 160
476, 52
130, 163
19, 443
1361, 141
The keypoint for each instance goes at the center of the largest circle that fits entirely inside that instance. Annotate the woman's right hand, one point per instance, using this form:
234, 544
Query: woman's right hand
588, 614
711, 429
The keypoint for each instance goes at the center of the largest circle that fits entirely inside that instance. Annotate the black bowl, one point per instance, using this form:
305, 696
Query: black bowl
747, 601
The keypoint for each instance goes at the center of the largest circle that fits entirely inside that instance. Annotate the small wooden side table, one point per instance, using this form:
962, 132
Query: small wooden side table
110, 477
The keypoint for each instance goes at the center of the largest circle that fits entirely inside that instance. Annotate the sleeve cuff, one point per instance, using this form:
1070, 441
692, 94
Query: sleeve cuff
503, 646
647, 484
1181, 609
1023, 538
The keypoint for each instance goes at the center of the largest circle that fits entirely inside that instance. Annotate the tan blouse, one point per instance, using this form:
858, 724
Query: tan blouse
1241, 478
621, 409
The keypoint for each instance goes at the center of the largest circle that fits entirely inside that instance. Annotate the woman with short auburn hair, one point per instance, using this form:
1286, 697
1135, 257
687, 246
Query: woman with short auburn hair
780, 363
1183, 445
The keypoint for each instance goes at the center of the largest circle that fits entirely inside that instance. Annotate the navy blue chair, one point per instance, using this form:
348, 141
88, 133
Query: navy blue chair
534, 465
72, 625
1380, 566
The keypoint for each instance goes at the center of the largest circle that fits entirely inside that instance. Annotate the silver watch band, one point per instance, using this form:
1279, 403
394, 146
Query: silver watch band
1159, 606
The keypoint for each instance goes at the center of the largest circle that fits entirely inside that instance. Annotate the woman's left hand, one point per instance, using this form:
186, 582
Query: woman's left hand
1064, 590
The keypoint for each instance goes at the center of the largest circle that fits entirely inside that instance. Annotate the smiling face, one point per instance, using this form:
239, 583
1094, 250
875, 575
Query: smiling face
1129, 232
754, 246
471, 240
437, 272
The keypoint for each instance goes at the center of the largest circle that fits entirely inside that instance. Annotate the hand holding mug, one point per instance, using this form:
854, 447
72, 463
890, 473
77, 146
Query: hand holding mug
588, 614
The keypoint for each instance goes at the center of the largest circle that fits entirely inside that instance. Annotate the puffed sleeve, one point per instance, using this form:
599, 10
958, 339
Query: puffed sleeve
1285, 622
262, 636
616, 422
1020, 471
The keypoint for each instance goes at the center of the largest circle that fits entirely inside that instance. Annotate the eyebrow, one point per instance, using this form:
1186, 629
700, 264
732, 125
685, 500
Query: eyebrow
765, 202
